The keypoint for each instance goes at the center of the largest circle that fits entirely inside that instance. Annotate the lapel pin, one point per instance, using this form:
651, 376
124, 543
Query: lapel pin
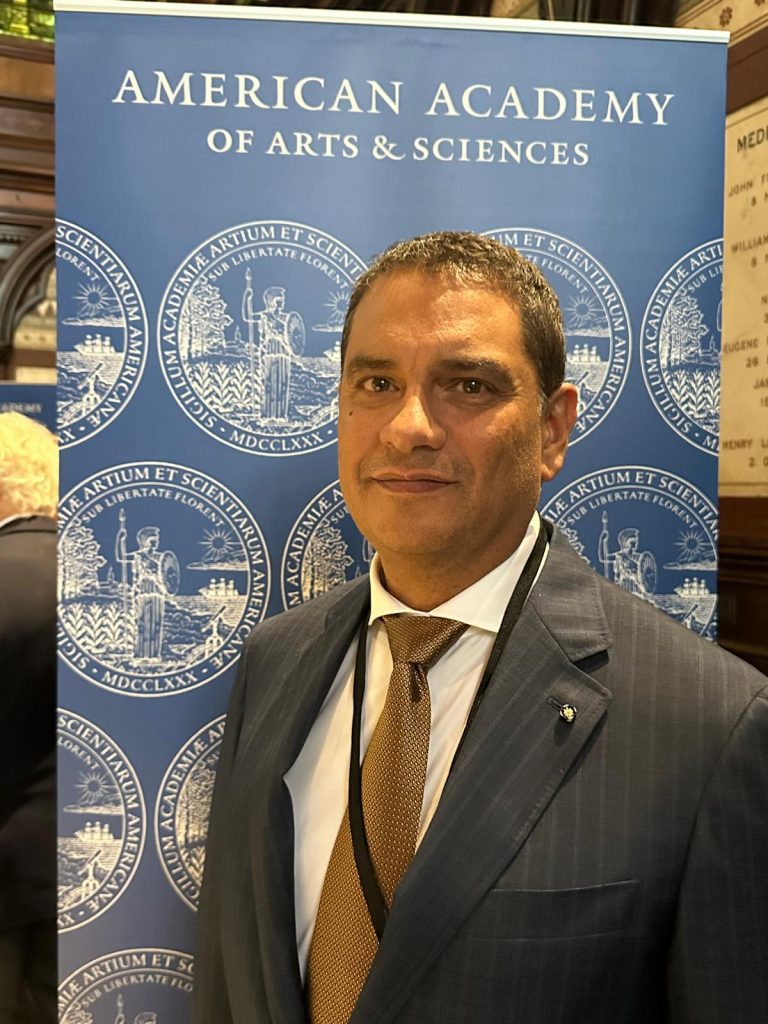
566, 711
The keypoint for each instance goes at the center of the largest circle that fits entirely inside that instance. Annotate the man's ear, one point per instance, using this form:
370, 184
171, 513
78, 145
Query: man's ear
557, 420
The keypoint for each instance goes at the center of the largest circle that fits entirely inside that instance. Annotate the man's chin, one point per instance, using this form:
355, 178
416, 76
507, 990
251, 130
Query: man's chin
418, 543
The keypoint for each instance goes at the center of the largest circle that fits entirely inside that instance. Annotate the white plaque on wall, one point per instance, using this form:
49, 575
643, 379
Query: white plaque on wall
744, 409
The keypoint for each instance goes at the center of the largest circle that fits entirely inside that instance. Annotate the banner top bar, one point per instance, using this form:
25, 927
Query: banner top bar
568, 28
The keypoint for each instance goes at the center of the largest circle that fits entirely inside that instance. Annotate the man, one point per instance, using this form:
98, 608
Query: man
28, 491
589, 779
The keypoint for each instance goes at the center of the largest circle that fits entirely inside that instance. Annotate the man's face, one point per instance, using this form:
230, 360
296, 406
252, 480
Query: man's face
442, 445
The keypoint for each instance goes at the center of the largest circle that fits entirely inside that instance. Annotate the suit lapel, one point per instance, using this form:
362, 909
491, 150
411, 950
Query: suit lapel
516, 755
309, 675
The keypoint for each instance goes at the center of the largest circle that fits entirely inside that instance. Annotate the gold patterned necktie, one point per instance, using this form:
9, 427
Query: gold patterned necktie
344, 942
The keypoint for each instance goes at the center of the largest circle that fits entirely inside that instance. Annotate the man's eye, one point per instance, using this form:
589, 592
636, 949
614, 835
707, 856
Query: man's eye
472, 386
377, 384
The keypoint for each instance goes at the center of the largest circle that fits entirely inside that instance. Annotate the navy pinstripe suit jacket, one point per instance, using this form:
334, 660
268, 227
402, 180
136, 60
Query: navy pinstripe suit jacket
608, 871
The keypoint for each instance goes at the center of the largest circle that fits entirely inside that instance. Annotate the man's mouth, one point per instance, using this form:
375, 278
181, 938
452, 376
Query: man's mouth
414, 482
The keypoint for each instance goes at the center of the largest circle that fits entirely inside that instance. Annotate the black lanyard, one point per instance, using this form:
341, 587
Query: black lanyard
377, 907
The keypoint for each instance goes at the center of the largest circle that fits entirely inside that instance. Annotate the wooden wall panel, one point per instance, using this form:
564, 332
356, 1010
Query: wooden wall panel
743, 580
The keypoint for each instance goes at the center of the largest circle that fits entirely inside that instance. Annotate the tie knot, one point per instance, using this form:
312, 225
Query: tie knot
421, 639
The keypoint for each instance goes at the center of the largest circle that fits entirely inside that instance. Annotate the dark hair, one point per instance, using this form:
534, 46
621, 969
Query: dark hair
467, 258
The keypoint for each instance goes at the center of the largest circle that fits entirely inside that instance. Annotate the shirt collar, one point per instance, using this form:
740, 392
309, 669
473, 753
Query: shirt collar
17, 518
481, 605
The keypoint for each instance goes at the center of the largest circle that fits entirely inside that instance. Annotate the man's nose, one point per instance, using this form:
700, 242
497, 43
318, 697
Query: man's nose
413, 425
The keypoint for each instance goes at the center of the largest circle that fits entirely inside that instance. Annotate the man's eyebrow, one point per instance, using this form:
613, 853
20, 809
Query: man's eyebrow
488, 367
478, 366
358, 363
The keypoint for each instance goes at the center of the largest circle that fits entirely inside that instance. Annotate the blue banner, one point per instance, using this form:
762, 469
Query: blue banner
223, 177
38, 401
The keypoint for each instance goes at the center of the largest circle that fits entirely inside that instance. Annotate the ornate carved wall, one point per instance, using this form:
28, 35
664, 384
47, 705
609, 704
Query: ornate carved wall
27, 289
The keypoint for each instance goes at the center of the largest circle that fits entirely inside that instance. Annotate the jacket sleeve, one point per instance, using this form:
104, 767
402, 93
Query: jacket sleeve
718, 966
210, 1002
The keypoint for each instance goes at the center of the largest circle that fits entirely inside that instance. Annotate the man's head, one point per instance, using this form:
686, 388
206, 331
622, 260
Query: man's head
444, 437
466, 258
29, 467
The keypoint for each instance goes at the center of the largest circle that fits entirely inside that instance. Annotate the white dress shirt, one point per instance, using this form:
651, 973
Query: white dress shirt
318, 779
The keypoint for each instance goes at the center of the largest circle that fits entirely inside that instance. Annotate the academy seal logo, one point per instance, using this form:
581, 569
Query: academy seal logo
163, 572
131, 986
681, 345
651, 532
102, 821
250, 335
597, 331
324, 549
182, 809
102, 334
